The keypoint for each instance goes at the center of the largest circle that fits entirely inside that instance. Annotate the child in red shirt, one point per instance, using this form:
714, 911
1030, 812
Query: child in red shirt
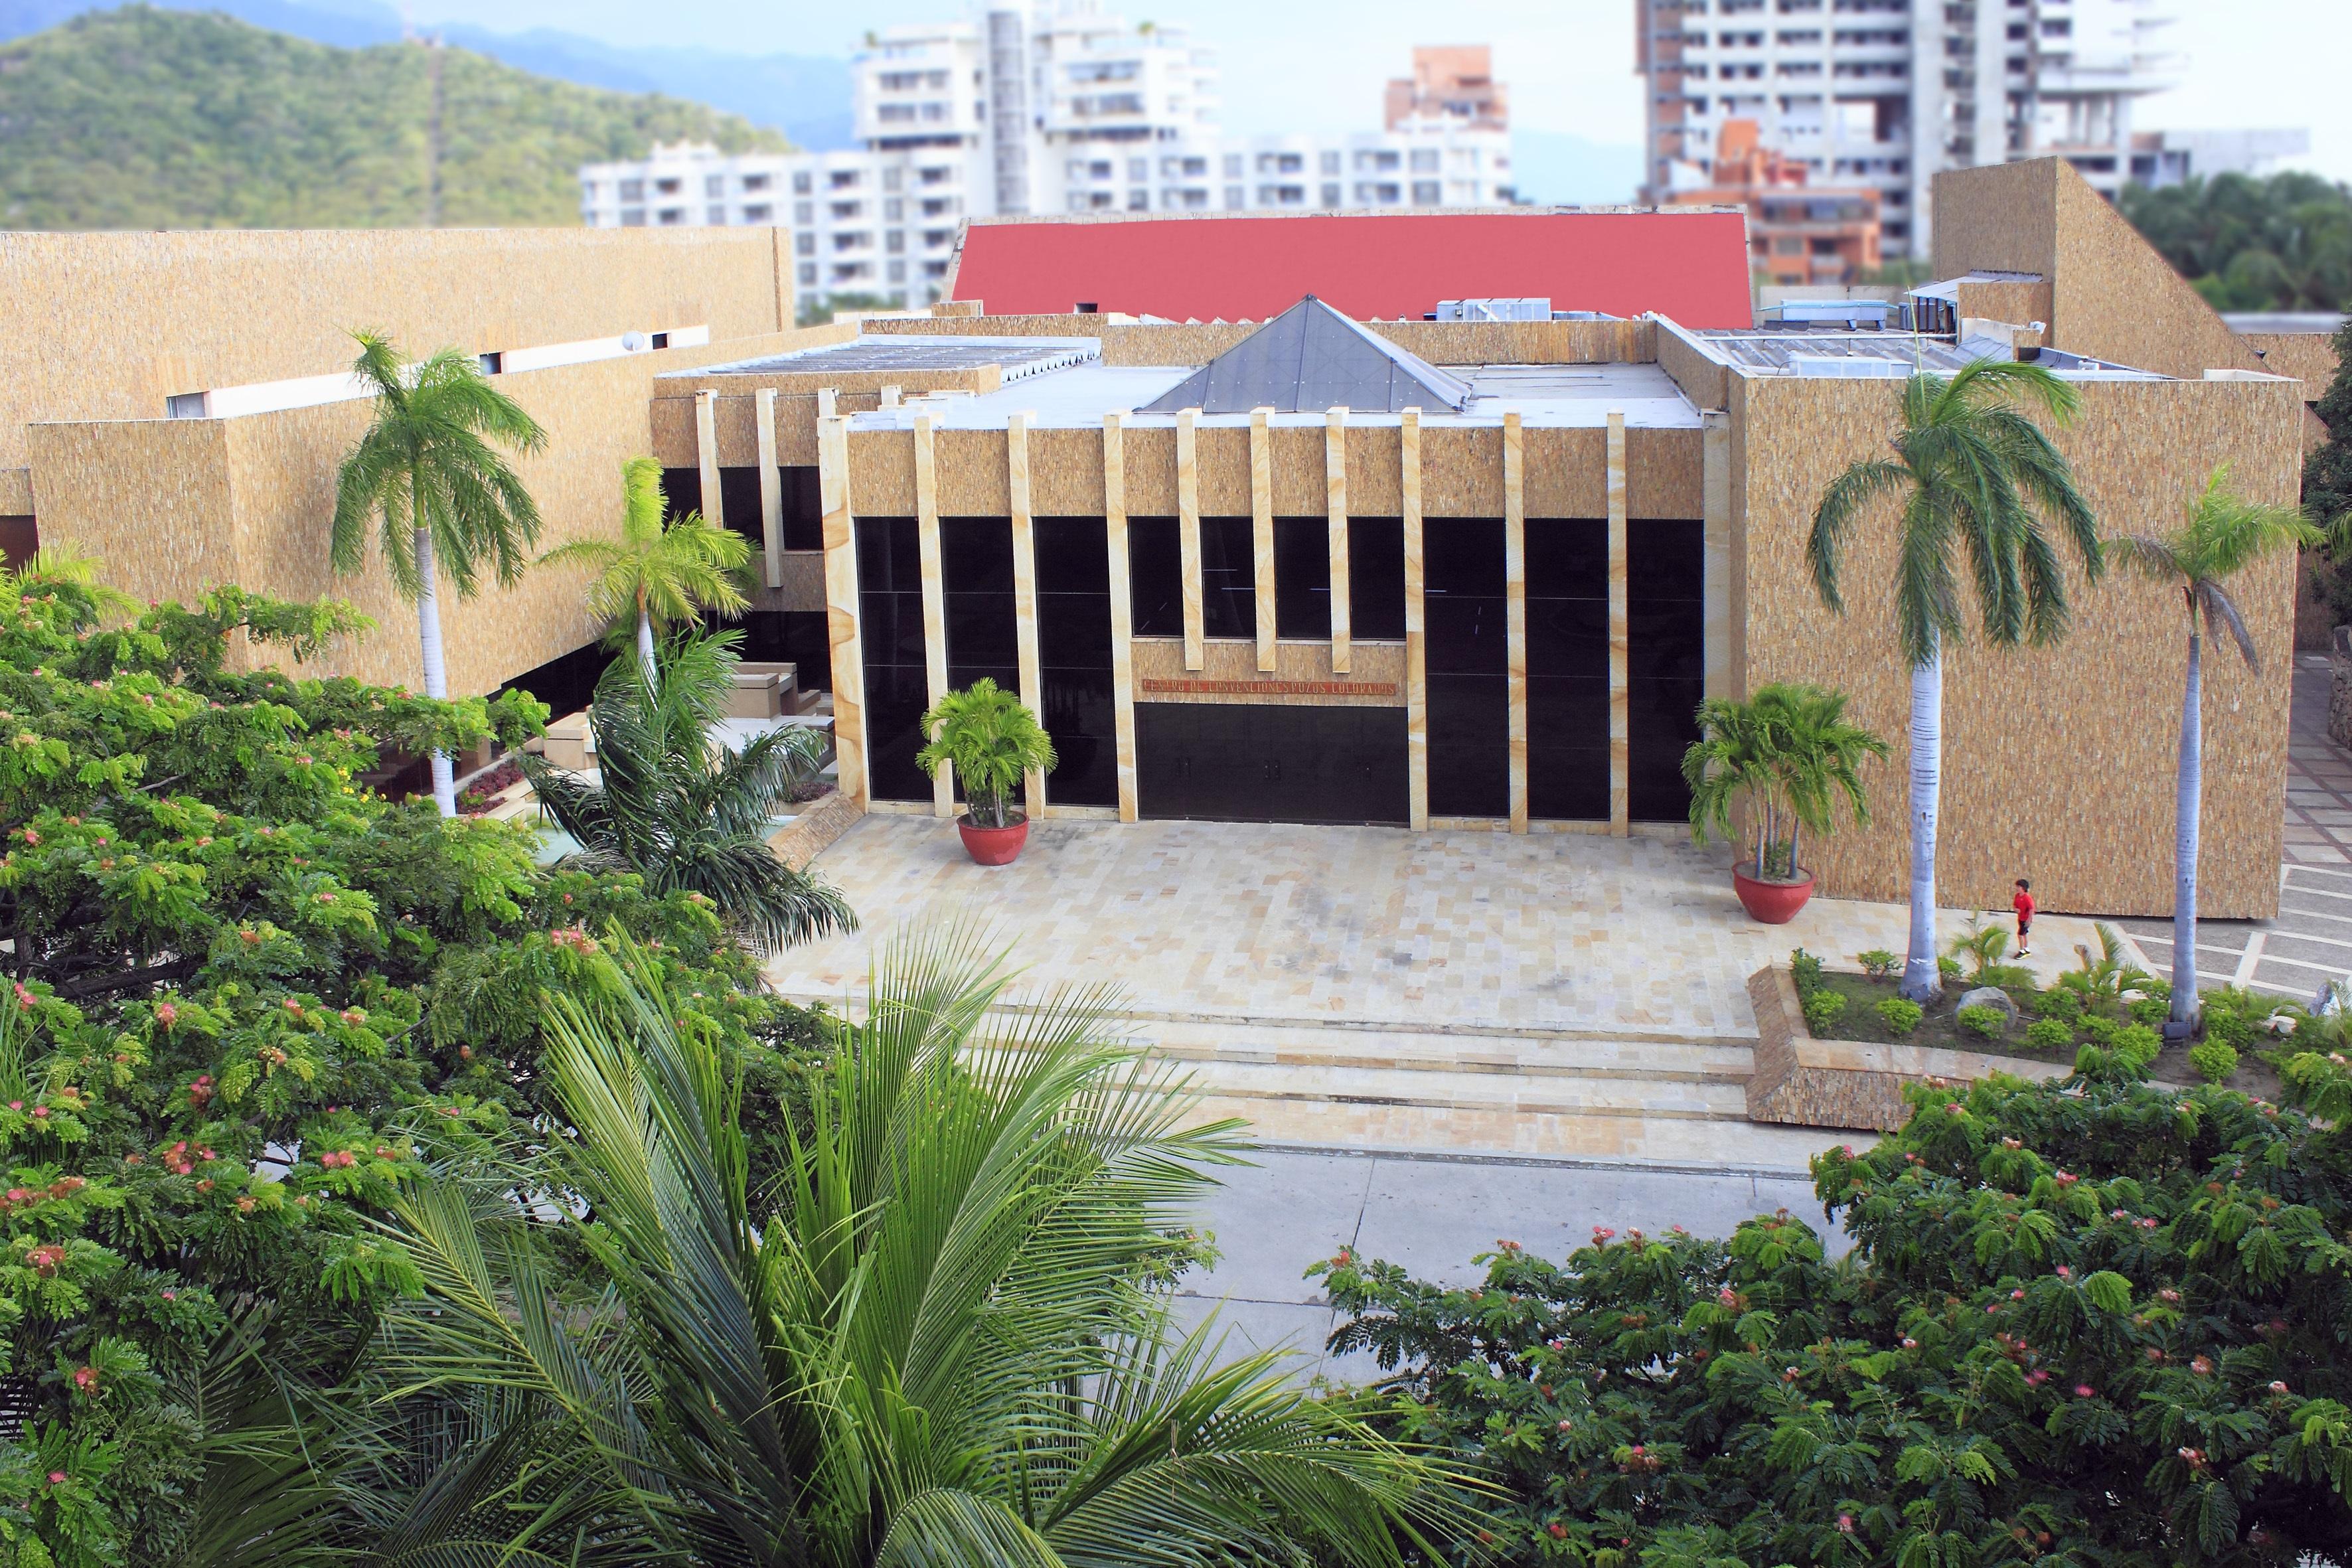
2023, 905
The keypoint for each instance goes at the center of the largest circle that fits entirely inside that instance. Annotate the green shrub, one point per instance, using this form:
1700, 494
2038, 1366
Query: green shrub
2214, 1060
1989, 1022
2049, 1034
1878, 963
1713, 1354
2138, 1045
1900, 1015
2151, 1011
1822, 1009
1806, 971
2008, 976
2058, 1003
1947, 969
2101, 1029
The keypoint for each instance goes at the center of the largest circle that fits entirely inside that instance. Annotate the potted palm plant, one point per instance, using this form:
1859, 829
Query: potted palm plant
1789, 754
991, 739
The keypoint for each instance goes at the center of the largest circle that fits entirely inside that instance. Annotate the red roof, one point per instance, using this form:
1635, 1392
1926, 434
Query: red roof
1689, 266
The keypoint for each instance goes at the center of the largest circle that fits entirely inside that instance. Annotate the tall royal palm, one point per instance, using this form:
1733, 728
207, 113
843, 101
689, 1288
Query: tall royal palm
942, 1338
662, 576
430, 466
2222, 536
685, 813
1974, 477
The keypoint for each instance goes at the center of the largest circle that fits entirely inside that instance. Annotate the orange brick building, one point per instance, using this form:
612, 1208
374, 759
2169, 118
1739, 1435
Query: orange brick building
1798, 232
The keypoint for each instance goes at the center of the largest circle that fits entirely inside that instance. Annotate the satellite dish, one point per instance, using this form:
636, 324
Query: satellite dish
631, 342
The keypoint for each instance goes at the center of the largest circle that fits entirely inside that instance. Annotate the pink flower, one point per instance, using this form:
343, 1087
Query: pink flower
1564, 1426
2278, 1388
2085, 1391
2064, 1272
2201, 1366
1909, 1344
57, 1478
1846, 1523
2017, 1294
167, 1014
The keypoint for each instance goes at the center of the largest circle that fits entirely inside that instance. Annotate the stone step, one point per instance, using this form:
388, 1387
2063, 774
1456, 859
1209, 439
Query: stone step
1534, 1054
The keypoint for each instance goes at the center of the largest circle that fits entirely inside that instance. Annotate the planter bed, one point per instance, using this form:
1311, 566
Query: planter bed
1938, 1026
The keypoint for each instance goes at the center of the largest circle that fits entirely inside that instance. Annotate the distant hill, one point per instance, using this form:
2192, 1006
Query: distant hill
804, 96
140, 118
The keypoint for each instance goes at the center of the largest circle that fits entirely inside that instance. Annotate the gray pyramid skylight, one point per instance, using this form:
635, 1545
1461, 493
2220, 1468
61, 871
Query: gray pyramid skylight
1310, 358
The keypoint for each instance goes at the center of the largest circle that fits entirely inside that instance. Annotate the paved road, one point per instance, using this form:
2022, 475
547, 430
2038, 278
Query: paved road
1433, 1215
2310, 942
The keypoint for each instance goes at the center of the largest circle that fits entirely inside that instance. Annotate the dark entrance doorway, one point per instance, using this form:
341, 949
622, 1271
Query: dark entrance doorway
1223, 762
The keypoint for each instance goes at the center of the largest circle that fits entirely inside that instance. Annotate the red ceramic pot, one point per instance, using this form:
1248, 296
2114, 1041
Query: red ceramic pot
992, 845
1774, 903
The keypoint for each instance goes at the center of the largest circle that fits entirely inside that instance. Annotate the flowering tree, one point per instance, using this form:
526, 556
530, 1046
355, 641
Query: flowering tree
243, 997
2098, 1321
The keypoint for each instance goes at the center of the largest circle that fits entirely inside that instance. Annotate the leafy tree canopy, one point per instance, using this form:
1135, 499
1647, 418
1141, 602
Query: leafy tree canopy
2095, 1322
246, 996
2280, 243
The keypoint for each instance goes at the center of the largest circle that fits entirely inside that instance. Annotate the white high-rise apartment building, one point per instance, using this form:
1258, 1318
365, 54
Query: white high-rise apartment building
1044, 106
1886, 93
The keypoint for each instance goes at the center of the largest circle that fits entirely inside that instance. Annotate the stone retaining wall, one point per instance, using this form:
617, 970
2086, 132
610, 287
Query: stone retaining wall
808, 836
1848, 1083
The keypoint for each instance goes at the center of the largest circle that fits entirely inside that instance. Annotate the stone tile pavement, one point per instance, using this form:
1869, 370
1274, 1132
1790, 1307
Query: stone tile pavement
1556, 934
2310, 941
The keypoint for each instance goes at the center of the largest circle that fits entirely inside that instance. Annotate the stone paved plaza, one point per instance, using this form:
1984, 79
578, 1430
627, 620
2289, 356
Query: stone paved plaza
1562, 934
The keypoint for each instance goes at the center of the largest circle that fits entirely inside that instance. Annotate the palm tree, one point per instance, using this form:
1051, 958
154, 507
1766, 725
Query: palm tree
55, 566
429, 467
991, 740
664, 576
684, 812
1975, 476
2222, 536
1792, 753
946, 1343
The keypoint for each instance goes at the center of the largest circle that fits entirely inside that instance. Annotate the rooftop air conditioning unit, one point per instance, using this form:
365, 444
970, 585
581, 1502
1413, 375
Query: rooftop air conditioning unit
1852, 367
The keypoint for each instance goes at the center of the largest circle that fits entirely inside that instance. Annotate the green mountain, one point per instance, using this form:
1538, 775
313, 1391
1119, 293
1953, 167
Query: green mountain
146, 118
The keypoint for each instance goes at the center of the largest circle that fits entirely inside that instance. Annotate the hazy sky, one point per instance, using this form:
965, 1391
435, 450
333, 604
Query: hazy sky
1291, 66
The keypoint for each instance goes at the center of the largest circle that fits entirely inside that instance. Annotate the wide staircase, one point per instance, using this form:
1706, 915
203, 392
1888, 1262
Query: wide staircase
1531, 1094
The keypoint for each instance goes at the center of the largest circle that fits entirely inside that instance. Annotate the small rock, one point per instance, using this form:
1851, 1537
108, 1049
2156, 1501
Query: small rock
1988, 996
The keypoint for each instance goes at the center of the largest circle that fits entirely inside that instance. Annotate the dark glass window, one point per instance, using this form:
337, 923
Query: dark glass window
976, 566
1665, 662
1302, 578
1228, 578
1155, 571
1469, 704
804, 509
566, 683
1568, 668
1376, 577
738, 490
681, 492
798, 637
1266, 763
1073, 659
890, 625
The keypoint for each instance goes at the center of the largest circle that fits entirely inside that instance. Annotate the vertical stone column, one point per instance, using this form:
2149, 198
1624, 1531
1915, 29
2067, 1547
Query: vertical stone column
889, 397
706, 454
841, 607
1621, 765
825, 397
1024, 592
1122, 611
1715, 502
1416, 634
935, 596
1261, 458
1515, 610
772, 489
1335, 512
1188, 532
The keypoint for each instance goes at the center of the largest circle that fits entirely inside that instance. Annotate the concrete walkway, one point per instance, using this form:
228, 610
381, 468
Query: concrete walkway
1434, 1216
